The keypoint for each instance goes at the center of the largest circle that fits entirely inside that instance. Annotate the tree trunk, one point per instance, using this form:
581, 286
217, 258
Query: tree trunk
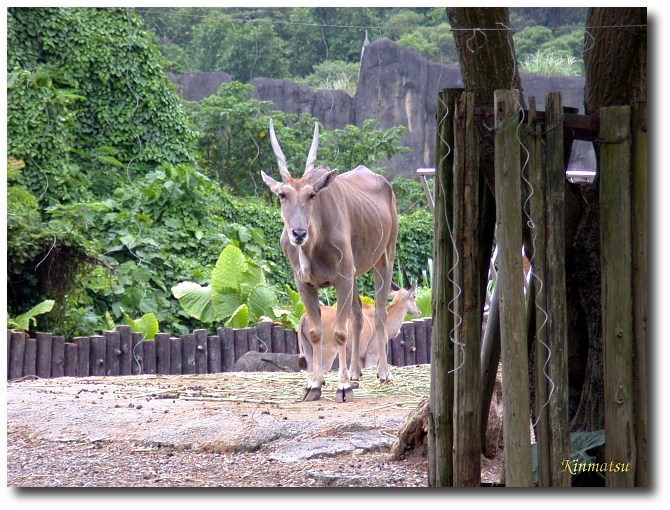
615, 62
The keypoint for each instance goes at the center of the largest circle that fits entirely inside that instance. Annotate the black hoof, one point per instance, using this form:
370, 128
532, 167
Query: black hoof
383, 381
344, 395
354, 384
311, 394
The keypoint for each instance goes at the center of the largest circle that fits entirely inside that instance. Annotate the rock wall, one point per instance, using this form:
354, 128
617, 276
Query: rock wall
396, 86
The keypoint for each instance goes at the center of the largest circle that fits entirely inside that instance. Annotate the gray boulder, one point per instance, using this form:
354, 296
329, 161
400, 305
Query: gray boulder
253, 361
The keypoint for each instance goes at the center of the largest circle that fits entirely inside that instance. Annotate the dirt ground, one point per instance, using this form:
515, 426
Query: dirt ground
204, 431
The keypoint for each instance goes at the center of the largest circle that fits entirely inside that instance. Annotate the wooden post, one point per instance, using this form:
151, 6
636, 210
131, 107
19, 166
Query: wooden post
57, 356
137, 354
639, 261
126, 346
557, 324
71, 359
420, 339
440, 419
163, 356
188, 354
43, 355
30, 357
98, 353
83, 355
240, 342
278, 342
538, 207
291, 341
200, 351
399, 349
468, 328
176, 363
17, 349
113, 352
617, 306
516, 399
213, 354
252, 339
227, 336
148, 356
429, 332
407, 329
264, 329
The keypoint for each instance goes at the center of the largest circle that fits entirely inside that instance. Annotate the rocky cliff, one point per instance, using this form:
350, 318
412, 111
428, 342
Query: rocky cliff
396, 86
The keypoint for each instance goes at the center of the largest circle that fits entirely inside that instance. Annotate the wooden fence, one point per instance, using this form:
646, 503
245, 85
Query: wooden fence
122, 352
459, 374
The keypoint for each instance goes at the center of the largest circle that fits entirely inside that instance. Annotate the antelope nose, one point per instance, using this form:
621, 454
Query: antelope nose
299, 235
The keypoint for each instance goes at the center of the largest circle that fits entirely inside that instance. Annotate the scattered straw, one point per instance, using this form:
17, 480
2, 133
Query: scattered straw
411, 383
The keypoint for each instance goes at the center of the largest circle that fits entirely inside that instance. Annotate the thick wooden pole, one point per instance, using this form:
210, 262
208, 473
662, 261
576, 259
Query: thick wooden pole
538, 208
467, 375
639, 232
617, 306
440, 424
557, 366
516, 399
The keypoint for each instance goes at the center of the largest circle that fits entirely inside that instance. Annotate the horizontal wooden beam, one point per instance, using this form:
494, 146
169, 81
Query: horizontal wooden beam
582, 127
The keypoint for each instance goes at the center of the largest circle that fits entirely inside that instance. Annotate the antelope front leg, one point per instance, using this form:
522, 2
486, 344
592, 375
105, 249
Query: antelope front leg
310, 299
345, 294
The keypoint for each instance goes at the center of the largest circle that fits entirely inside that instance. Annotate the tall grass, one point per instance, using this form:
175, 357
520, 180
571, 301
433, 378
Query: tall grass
551, 64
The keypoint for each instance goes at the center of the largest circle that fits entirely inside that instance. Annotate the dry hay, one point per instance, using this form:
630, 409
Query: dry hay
411, 384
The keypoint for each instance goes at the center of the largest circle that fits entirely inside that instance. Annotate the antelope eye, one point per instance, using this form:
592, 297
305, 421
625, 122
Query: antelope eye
281, 195
312, 196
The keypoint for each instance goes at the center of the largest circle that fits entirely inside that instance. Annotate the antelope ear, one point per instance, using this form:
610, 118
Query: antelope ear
325, 180
272, 184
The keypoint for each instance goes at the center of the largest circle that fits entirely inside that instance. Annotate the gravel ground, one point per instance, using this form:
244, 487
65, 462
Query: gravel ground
167, 431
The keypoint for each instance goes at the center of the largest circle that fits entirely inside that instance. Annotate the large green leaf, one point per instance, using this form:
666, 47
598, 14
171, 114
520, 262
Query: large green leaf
195, 299
252, 277
225, 304
229, 270
147, 325
22, 322
262, 300
239, 319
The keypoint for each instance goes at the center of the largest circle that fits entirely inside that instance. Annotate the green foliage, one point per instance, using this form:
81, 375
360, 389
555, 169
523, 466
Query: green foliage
97, 123
23, 321
539, 50
238, 295
224, 43
415, 243
234, 143
147, 325
550, 64
409, 195
424, 301
106, 211
333, 74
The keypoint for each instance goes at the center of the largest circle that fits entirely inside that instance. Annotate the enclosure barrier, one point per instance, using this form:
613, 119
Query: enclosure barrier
530, 151
122, 352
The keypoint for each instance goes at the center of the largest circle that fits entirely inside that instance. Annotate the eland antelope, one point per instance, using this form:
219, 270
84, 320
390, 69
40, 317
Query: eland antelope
337, 227
403, 303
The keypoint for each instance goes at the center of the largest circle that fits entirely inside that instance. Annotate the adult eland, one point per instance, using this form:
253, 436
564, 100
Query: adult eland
337, 227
